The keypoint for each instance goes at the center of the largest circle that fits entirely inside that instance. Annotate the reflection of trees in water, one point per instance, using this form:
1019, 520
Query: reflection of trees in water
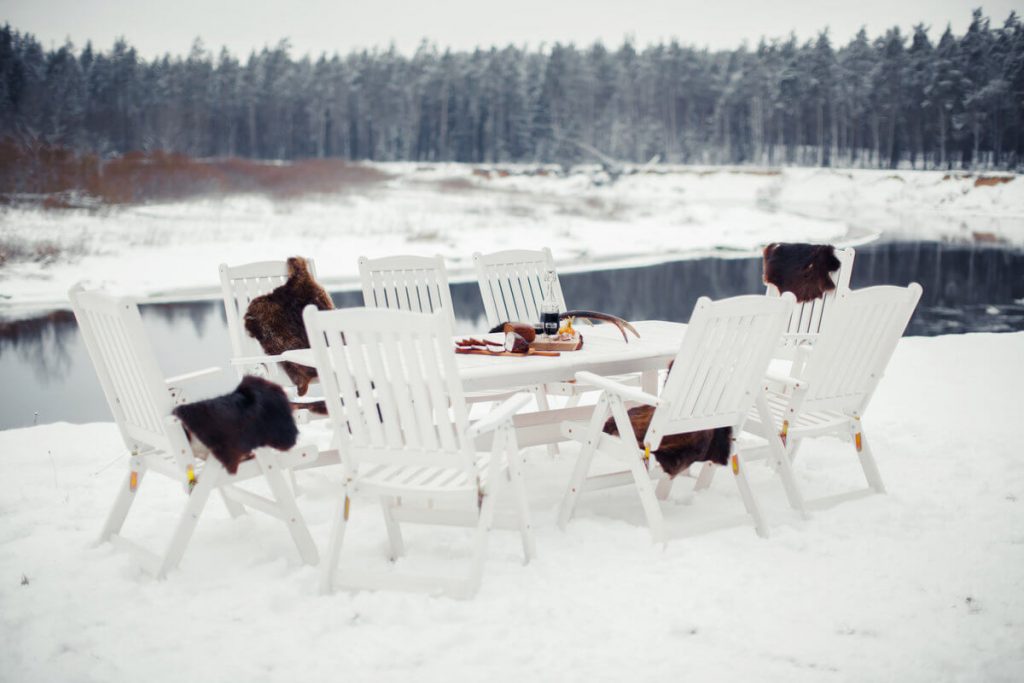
42, 342
197, 313
952, 275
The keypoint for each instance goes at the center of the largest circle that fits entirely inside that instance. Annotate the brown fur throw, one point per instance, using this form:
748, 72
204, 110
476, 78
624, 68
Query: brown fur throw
678, 451
275, 319
257, 413
800, 268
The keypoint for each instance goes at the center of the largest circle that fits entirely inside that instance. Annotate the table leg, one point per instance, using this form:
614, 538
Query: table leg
649, 382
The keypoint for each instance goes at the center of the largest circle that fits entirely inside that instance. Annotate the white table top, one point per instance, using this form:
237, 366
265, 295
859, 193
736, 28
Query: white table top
604, 353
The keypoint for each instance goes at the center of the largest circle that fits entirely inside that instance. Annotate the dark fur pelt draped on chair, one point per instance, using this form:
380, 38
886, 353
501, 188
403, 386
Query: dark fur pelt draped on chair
257, 413
275, 319
678, 451
802, 269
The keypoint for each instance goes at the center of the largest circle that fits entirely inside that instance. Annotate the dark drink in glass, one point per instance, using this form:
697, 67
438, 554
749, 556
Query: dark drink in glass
549, 322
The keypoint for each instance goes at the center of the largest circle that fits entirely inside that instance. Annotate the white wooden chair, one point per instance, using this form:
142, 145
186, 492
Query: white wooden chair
809, 317
239, 286
396, 404
407, 283
512, 284
840, 375
141, 401
512, 288
715, 380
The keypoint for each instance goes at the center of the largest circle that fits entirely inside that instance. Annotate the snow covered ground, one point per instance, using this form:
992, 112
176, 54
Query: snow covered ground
173, 250
923, 584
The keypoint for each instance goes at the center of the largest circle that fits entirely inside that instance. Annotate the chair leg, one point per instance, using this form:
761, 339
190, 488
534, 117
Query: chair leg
285, 500
576, 481
645, 489
781, 457
707, 473
395, 542
583, 460
518, 489
663, 488
483, 528
235, 509
207, 482
330, 565
788, 476
122, 504
793, 445
867, 460
739, 468
641, 476
542, 404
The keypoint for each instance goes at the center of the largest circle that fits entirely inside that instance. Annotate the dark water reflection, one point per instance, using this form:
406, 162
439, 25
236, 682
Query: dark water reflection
46, 376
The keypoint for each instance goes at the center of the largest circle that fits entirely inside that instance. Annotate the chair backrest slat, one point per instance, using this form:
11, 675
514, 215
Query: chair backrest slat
719, 368
809, 317
239, 286
512, 284
852, 352
128, 372
407, 283
391, 386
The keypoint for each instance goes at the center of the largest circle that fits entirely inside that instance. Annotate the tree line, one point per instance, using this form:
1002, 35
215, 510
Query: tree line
888, 101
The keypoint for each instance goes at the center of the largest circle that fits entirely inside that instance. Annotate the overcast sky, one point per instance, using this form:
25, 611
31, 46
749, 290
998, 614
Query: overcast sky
315, 26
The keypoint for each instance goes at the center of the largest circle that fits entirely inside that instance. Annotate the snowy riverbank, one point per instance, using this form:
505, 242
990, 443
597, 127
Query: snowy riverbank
173, 250
923, 584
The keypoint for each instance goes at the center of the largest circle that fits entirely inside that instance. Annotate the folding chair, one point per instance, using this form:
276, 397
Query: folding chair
512, 288
841, 373
395, 402
715, 379
407, 283
809, 317
141, 401
239, 286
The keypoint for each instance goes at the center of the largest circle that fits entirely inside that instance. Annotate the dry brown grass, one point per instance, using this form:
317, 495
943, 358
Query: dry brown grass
991, 180
56, 176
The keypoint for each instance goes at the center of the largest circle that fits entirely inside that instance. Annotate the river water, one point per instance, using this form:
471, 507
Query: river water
46, 376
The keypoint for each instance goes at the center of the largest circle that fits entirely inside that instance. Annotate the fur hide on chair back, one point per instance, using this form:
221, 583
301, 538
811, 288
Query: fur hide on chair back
678, 451
275, 319
257, 413
802, 269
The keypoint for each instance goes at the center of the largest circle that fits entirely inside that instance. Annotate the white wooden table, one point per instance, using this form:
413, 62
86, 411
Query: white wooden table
604, 353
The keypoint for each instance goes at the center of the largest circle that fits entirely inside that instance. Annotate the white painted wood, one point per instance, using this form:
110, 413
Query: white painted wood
141, 402
512, 284
840, 376
809, 318
407, 283
239, 286
397, 408
715, 380
512, 288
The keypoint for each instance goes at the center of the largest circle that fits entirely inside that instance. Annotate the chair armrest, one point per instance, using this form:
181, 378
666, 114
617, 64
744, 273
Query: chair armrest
499, 415
189, 376
621, 390
786, 381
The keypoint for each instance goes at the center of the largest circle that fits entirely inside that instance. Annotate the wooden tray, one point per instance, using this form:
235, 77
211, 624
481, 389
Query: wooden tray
574, 344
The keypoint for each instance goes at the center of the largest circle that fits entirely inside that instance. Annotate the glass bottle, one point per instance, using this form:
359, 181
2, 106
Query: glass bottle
549, 309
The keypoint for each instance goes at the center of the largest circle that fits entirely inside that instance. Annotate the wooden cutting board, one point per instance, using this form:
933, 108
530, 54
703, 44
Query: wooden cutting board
574, 344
